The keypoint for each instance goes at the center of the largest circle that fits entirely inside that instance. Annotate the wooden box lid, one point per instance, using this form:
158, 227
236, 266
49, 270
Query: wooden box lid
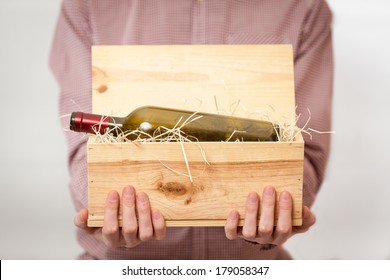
254, 81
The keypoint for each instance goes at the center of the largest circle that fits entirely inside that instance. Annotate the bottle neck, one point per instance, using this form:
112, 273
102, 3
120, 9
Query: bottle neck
91, 123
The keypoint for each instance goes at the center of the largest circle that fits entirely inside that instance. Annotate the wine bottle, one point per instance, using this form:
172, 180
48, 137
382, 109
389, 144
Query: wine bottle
204, 126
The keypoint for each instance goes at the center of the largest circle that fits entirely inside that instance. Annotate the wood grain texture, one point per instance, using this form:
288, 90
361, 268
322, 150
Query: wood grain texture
259, 78
251, 80
234, 170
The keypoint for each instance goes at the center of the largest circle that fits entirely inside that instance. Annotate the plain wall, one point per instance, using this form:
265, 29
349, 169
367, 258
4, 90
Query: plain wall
352, 208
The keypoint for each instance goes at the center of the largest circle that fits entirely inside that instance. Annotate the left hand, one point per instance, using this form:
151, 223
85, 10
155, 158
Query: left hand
262, 230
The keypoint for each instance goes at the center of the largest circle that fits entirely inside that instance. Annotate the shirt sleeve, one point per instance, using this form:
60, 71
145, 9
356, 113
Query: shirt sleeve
314, 86
70, 62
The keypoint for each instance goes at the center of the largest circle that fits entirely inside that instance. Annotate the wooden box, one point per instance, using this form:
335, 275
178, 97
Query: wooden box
251, 80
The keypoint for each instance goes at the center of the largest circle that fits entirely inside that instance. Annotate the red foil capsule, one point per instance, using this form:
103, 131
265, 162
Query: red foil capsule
90, 123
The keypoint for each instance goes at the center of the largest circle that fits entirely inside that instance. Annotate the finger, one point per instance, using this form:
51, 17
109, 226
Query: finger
284, 225
231, 225
110, 226
267, 216
249, 230
129, 217
159, 226
308, 220
145, 227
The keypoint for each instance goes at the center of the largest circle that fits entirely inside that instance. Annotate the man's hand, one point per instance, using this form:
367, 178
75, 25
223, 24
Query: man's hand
149, 225
267, 232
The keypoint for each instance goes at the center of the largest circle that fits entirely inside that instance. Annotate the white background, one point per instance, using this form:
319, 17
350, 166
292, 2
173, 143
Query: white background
353, 206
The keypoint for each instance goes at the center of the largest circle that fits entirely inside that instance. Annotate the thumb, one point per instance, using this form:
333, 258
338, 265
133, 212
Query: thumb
308, 220
81, 219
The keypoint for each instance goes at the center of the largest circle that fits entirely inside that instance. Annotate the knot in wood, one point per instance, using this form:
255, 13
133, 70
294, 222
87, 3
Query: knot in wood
172, 188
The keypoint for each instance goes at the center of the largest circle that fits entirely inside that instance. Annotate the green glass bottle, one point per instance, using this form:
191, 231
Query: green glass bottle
204, 126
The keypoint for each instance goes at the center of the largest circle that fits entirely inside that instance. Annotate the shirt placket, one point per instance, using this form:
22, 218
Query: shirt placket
199, 22
199, 250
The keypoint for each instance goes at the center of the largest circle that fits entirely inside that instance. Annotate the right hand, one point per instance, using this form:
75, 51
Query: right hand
149, 225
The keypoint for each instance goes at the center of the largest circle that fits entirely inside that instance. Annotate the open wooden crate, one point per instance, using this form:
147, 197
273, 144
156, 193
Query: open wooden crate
251, 80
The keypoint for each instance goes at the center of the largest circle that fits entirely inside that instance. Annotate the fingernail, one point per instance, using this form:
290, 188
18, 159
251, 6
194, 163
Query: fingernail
269, 191
285, 196
156, 215
128, 192
233, 215
253, 197
142, 197
113, 196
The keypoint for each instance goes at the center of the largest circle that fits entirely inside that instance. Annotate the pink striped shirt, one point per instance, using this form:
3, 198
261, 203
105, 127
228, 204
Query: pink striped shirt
306, 24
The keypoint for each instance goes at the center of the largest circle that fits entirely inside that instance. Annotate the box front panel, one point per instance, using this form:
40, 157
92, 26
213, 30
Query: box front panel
202, 192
